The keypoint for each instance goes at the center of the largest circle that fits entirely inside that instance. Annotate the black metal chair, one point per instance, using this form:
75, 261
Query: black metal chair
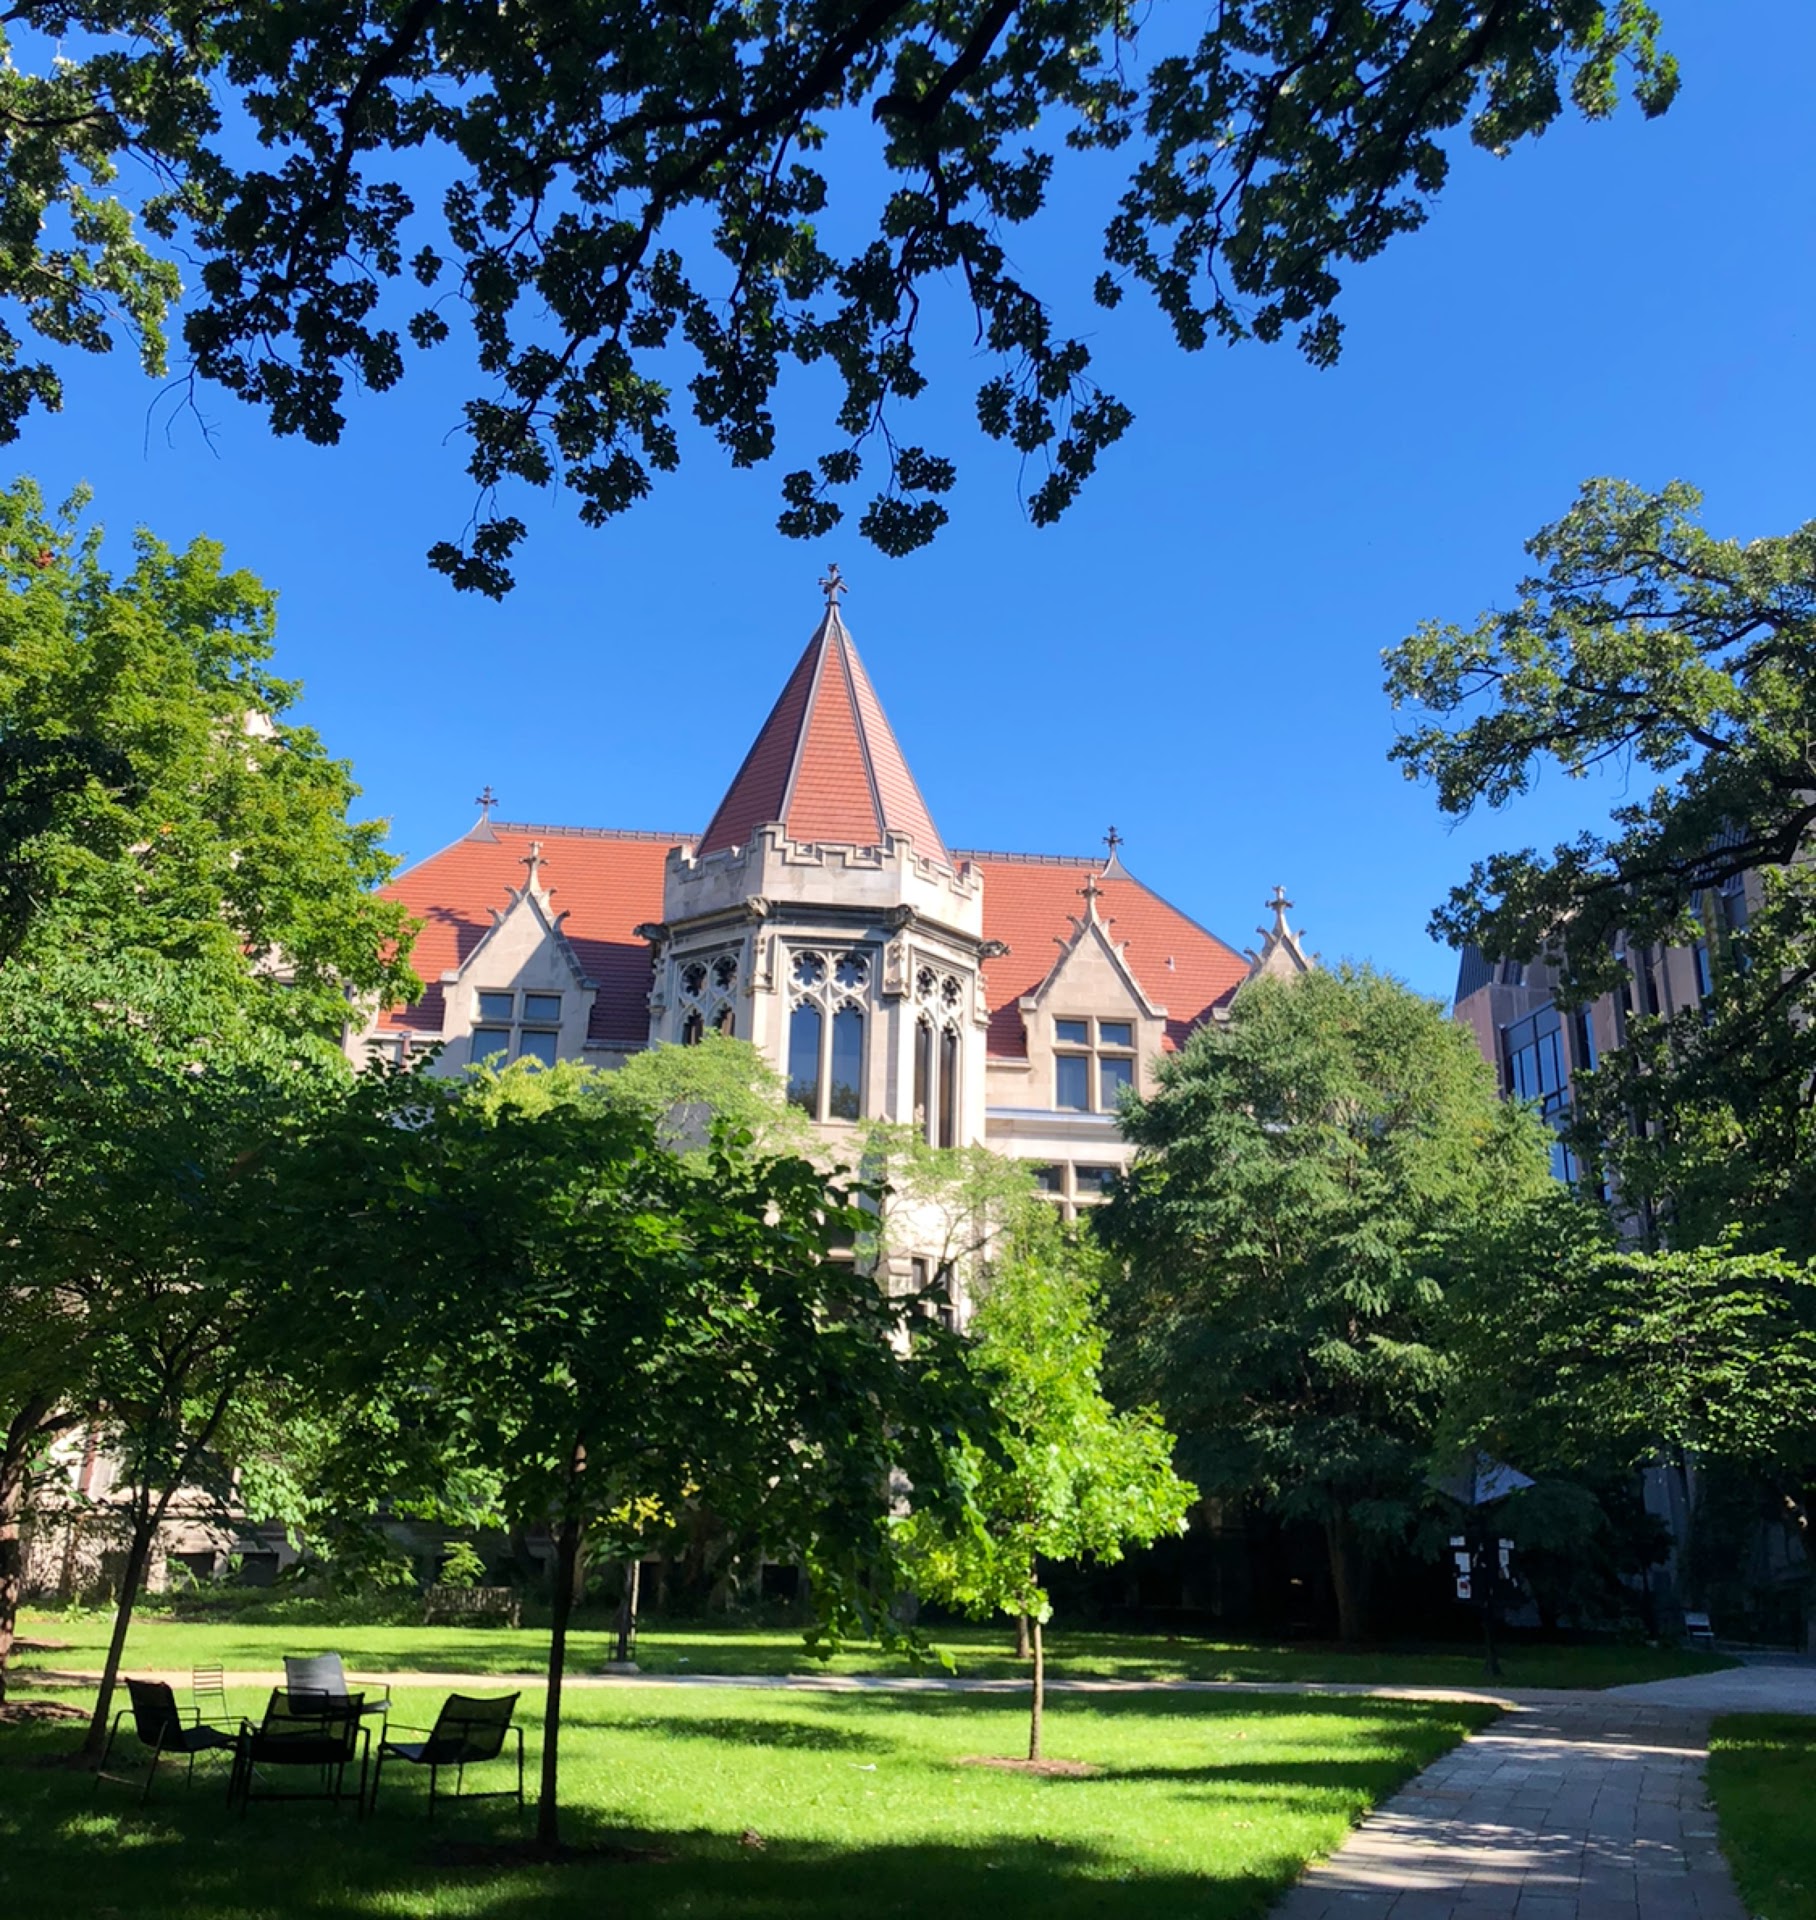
468, 1730
312, 1730
158, 1723
323, 1673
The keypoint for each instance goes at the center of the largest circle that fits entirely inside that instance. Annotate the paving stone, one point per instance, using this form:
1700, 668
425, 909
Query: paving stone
1587, 1811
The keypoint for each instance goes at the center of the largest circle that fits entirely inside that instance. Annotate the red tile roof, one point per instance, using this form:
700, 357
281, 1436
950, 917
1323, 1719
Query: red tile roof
825, 764
1029, 902
608, 883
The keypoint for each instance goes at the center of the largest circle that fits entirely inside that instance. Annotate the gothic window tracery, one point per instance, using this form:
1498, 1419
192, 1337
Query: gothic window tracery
707, 986
936, 1056
828, 1005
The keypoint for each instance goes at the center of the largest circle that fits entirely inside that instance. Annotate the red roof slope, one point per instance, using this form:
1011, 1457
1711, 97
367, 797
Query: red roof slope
826, 765
1029, 901
608, 883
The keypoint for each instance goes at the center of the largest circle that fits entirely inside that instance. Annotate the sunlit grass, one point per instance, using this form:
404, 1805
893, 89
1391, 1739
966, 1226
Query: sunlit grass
1762, 1778
1201, 1805
976, 1652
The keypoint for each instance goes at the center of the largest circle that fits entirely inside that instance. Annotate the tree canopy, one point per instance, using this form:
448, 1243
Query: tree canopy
609, 199
1643, 640
549, 1297
1310, 1174
1069, 1476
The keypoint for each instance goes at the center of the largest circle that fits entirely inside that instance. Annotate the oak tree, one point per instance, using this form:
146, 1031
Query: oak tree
607, 200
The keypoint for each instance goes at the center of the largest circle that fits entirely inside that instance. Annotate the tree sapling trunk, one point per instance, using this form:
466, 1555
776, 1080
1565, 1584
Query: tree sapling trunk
1039, 1702
627, 1609
1024, 1646
145, 1523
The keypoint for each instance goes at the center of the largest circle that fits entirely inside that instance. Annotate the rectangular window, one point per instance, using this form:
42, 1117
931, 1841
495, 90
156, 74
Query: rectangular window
804, 1029
1073, 1091
1114, 1076
542, 1009
847, 1096
1072, 1033
1115, 1033
1050, 1179
1582, 1034
537, 1046
1090, 1182
495, 1009
490, 1040
949, 1088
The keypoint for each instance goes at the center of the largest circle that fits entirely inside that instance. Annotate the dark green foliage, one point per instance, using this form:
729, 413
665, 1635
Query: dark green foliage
613, 185
546, 1310
1644, 639
1312, 1174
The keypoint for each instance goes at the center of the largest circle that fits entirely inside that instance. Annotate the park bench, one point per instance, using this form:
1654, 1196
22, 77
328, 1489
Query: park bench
1698, 1630
467, 1606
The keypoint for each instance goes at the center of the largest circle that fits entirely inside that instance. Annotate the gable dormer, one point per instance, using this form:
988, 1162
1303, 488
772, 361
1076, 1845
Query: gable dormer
522, 991
1091, 1028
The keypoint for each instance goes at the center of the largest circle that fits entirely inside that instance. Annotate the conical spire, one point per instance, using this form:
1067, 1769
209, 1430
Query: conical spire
826, 767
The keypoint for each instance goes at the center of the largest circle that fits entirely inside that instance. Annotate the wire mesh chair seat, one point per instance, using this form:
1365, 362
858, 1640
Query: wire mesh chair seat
158, 1724
302, 1729
468, 1731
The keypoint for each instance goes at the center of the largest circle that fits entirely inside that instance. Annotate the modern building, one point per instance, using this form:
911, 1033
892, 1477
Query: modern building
822, 915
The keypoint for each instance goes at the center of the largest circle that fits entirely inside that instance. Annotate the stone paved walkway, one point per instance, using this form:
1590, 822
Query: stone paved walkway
1581, 1811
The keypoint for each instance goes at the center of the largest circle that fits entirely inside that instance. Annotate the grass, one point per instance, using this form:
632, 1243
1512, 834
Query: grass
977, 1652
1762, 1778
1202, 1805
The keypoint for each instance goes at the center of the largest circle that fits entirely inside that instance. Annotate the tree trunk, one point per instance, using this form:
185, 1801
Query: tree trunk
627, 1609
1024, 1647
12, 1556
146, 1521
1346, 1576
1037, 1706
33, 1425
567, 1562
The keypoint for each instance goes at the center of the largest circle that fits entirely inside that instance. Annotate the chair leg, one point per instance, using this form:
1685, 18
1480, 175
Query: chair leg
378, 1774
151, 1772
519, 1733
106, 1751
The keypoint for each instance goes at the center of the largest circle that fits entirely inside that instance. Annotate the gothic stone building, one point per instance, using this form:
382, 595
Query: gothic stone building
1002, 998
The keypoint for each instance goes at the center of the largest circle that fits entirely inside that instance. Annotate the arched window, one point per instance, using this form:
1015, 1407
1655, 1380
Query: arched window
804, 1028
846, 1098
723, 1020
692, 1028
948, 1135
923, 1076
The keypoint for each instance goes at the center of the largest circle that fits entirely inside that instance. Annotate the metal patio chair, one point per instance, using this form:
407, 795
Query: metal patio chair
208, 1692
158, 1723
323, 1673
467, 1731
311, 1730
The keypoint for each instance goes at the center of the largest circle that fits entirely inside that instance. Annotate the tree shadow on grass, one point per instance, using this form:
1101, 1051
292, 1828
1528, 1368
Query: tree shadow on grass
813, 1735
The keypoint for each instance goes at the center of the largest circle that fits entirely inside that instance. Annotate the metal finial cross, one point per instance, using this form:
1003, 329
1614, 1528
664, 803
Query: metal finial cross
533, 860
486, 801
1112, 840
1279, 906
833, 585
1091, 893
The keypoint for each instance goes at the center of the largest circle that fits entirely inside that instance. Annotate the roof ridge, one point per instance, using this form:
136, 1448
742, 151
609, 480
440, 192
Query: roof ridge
858, 726
586, 833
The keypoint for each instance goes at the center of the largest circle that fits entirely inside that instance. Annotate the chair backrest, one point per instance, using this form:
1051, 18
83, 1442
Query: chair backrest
154, 1711
292, 1714
315, 1673
208, 1689
469, 1728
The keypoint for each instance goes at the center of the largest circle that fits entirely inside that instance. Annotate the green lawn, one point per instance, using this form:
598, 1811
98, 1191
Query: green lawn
1204, 1805
159, 1642
1762, 1778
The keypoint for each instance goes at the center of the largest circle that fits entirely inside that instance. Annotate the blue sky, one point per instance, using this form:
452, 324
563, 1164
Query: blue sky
1194, 652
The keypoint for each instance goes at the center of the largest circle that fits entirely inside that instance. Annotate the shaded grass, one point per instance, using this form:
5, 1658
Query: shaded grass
977, 1652
1762, 1778
1201, 1806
